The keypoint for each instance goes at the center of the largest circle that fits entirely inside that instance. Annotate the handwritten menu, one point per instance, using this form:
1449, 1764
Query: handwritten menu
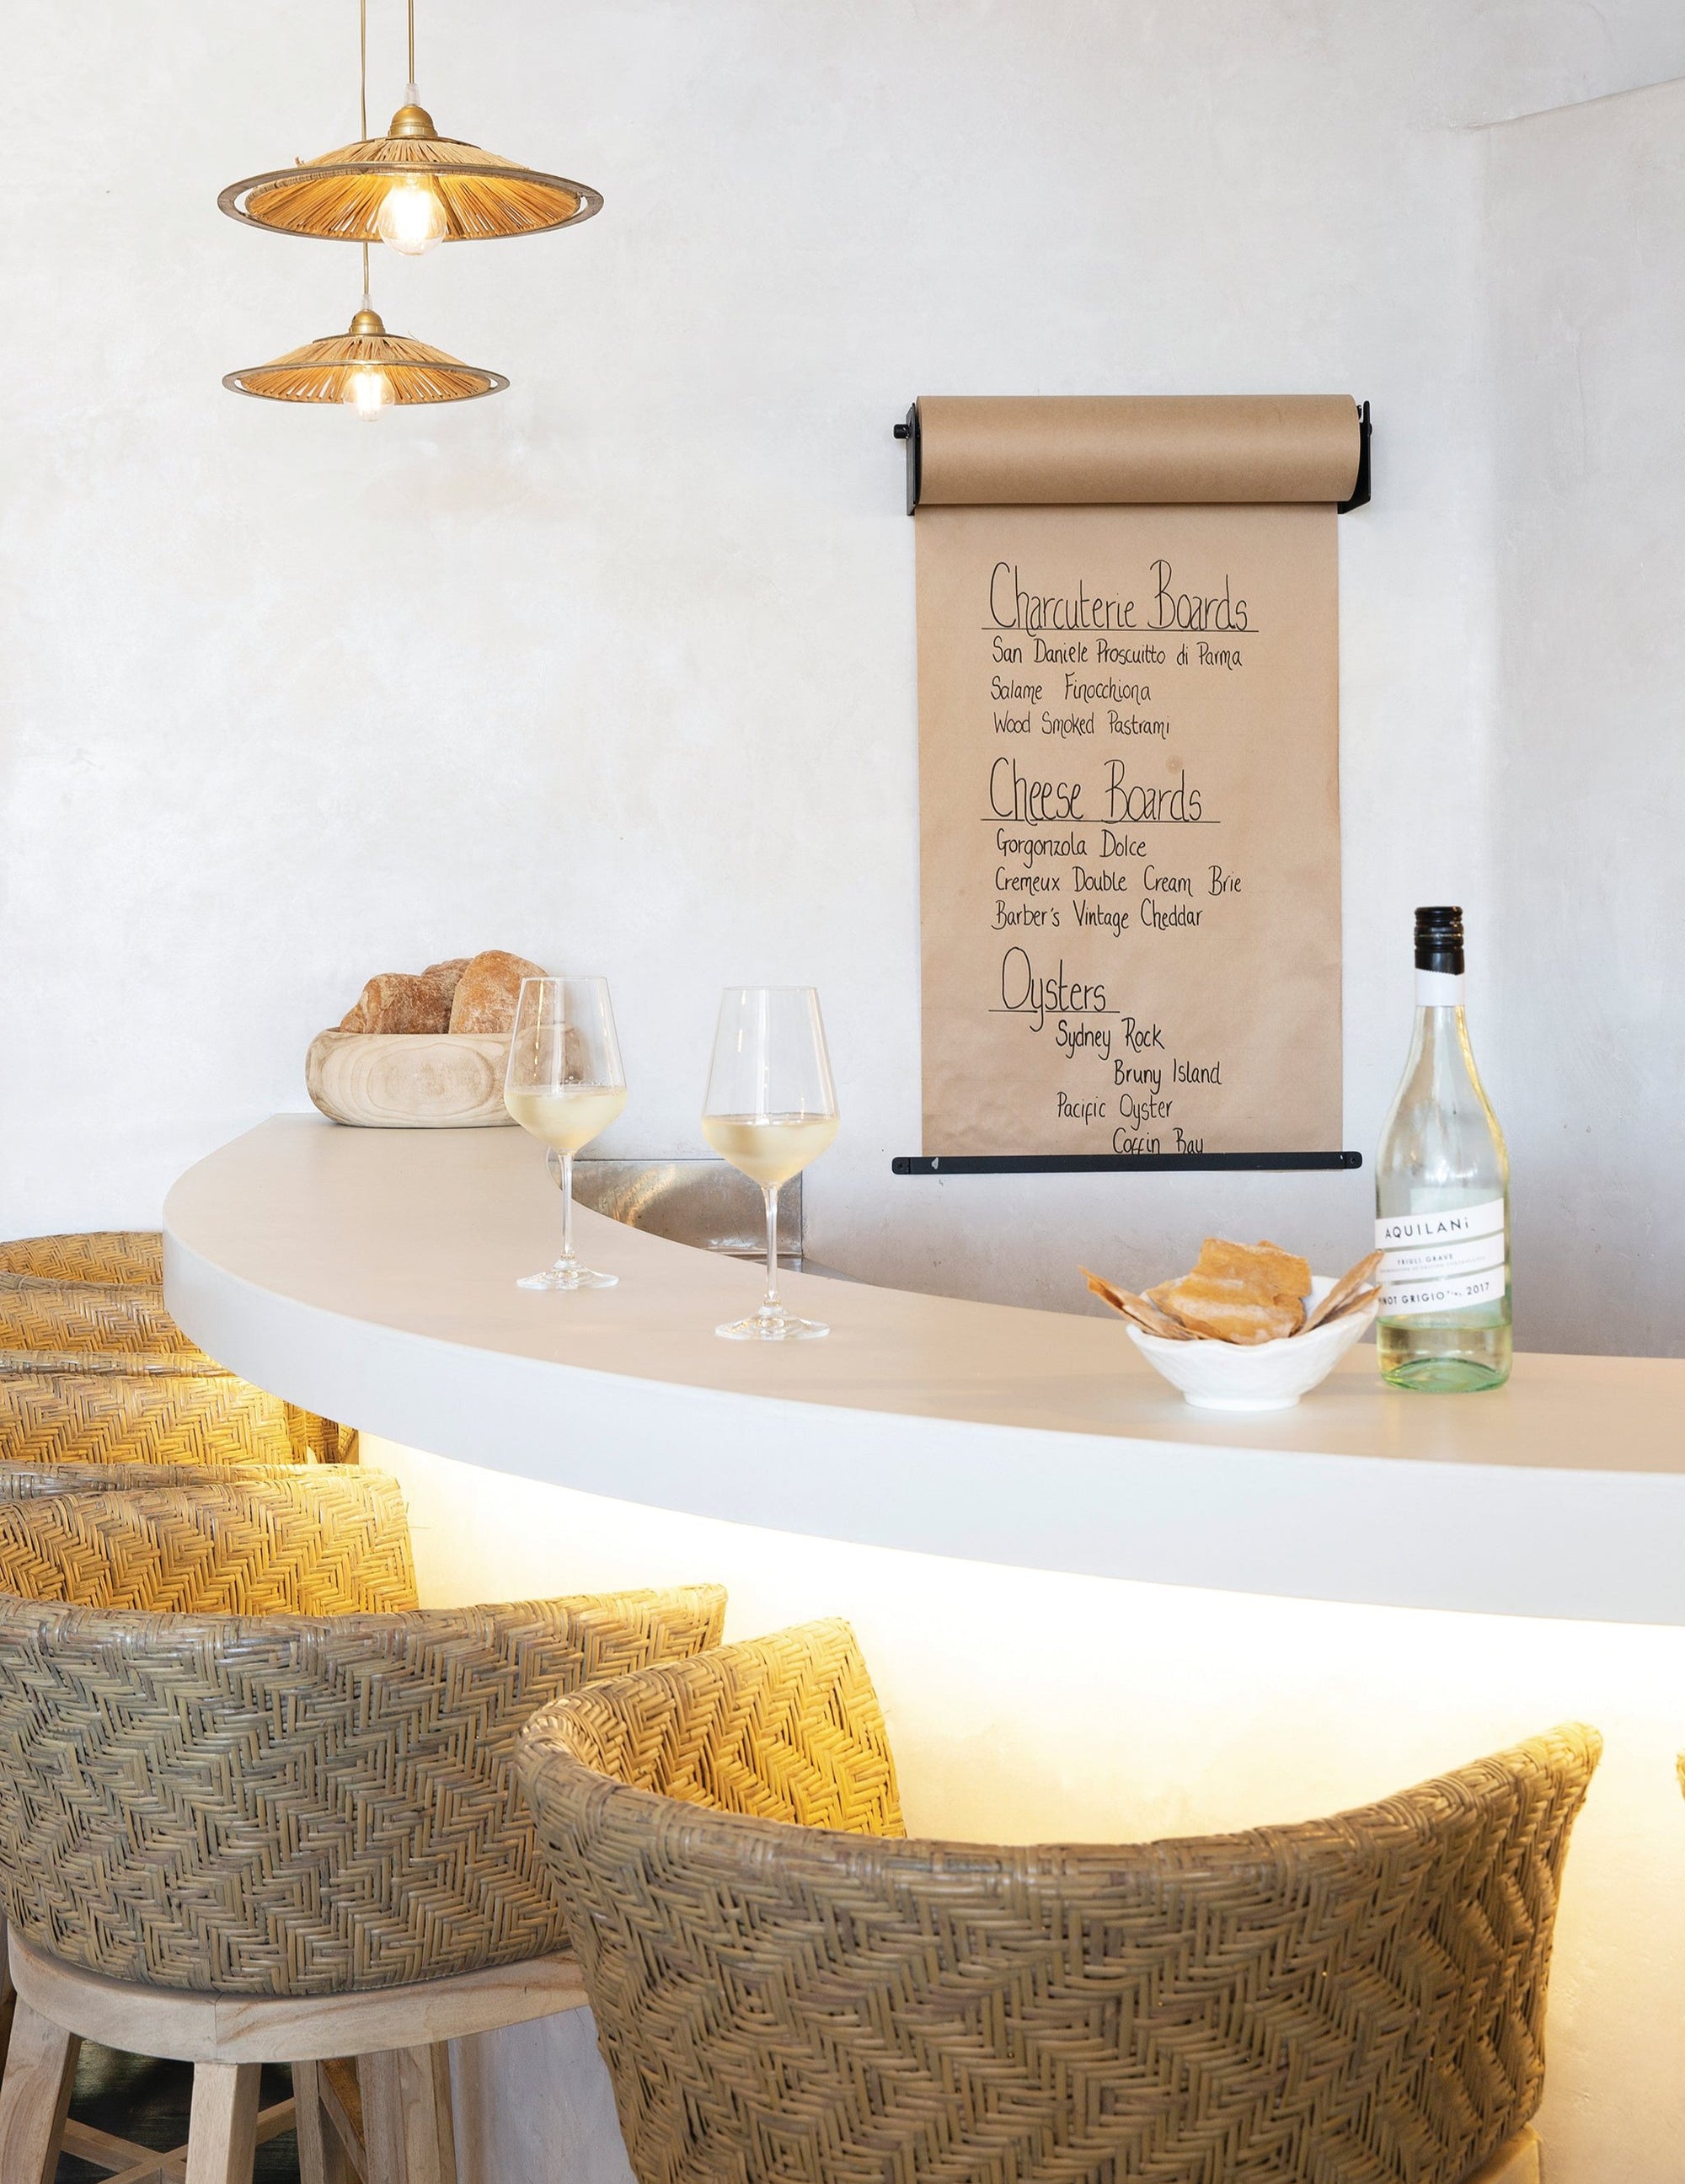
1129, 829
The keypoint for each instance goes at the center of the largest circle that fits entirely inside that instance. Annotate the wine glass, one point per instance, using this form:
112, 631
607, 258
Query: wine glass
771, 1109
565, 1083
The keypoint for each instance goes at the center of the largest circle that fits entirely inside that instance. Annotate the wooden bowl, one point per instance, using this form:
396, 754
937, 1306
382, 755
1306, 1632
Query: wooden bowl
408, 1081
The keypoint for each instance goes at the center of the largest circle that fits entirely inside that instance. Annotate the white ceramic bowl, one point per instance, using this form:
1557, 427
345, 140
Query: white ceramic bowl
1263, 1376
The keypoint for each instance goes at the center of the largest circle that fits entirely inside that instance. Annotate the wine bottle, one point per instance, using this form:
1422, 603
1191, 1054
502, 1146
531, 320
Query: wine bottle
1441, 1194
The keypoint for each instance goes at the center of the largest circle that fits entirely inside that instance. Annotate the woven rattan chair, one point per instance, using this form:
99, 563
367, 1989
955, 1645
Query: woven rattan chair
348, 1516
21, 1482
288, 1830
254, 1544
93, 1365
115, 1257
70, 1327
100, 1417
785, 1986
29, 1482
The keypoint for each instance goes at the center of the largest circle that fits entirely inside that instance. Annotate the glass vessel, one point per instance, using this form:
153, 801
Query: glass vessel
563, 1083
770, 1108
1441, 1194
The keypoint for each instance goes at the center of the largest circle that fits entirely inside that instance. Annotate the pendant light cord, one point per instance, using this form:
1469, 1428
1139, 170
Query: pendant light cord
363, 110
412, 44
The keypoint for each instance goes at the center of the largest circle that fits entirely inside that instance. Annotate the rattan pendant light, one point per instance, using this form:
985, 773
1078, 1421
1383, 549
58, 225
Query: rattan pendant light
410, 189
367, 369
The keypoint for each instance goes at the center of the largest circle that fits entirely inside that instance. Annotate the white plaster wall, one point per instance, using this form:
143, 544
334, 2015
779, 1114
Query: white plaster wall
1586, 329
617, 669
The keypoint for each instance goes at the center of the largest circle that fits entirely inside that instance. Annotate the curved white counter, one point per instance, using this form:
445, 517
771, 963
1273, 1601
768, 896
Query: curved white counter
1090, 1612
369, 1275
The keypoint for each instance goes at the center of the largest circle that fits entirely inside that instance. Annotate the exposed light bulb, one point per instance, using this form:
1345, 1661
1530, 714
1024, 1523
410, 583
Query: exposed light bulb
368, 391
411, 217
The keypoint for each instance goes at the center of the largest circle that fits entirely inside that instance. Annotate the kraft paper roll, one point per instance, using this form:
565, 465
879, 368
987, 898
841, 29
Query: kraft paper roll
1137, 450
1129, 773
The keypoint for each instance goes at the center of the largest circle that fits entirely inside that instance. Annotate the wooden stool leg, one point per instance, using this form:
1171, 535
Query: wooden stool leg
436, 2062
222, 2135
35, 2096
1515, 2162
321, 2156
409, 2134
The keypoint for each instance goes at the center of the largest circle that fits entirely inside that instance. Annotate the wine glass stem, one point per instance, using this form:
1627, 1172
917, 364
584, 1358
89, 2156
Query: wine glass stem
768, 1191
567, 1209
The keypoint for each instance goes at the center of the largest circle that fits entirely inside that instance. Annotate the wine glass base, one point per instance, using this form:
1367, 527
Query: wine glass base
776, 1326
563, 1276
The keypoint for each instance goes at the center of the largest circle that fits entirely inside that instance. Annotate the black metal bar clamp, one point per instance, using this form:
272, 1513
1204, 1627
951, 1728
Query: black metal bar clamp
1118, 1163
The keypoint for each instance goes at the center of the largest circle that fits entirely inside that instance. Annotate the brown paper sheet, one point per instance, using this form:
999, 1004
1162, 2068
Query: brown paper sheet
1128, 450
1130, 825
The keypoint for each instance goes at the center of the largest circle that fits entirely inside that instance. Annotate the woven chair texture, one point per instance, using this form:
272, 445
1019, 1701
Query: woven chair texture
1358, 2000
278, 1803
784, 1728
114, 1256
333, 1542
97, 1417
76, 1311
28, 1482
79, 1320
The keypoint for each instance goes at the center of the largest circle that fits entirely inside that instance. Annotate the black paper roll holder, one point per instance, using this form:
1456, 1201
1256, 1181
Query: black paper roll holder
908, 430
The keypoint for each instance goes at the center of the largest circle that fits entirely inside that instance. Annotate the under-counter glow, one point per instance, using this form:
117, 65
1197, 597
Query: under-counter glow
1025, 1706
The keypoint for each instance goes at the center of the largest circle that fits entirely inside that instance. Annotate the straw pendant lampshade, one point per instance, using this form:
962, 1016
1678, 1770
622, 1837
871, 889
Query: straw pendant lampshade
410, 189
367, 369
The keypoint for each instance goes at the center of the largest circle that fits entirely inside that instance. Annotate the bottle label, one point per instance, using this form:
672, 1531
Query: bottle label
1439, 989
1443, 1260
1413, 1300
1470, 1256
1410, 1232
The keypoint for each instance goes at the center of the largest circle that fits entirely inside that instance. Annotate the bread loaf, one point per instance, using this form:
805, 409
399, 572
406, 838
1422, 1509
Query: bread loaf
444, 979
488, 990
397, 1001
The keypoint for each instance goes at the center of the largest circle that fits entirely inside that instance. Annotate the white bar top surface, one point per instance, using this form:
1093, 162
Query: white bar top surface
370, 1275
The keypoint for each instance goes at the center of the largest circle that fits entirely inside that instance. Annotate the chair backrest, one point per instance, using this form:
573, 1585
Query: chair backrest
118, 1256
787, 1728
28, 1481
1352, 1999
47, 1326
83, 1317
116, 1408
318, 1541
289, 1805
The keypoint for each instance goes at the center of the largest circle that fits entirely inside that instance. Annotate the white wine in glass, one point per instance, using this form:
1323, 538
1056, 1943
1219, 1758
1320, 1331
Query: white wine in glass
771, 1109
565, 1083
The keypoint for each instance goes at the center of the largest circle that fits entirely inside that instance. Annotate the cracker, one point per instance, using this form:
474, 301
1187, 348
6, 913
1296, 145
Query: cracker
1227, 1311
1265, 1271
1146, 1315
1342, 1296
1352, 1303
